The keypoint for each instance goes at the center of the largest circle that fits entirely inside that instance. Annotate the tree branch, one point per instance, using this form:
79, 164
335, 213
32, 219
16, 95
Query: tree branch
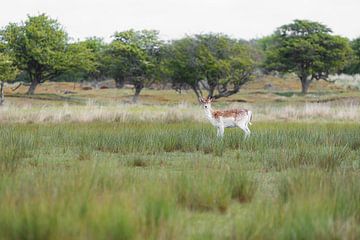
20, 84
205, 86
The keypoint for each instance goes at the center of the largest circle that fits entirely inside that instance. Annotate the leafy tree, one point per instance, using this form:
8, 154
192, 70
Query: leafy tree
183, 65
7, 73
95, 49
354, 65
307, 49
40, 48
256, 52
134, 57
265, 43
211, 62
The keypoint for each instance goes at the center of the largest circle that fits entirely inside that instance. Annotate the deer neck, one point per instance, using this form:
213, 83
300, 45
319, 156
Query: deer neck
209, 114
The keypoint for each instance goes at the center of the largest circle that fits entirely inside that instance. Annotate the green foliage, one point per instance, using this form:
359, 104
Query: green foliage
40, 48
8, 71
134, 57
266, 43
98, 47
355, 44
307, 49
91, 52
183, 66
213, 62
354, 66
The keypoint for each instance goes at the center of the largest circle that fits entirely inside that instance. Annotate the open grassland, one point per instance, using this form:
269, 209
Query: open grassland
111, 105
270, 98
91, 165
338, 111
175, 180
333, 111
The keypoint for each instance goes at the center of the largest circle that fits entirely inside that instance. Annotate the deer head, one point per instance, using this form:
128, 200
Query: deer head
206, 102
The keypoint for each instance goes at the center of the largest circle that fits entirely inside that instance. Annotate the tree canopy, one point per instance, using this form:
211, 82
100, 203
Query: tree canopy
307, 49
7, 69
8, 72
354, 65
134, 56
95, 48
41, 48
214, 62
210, 64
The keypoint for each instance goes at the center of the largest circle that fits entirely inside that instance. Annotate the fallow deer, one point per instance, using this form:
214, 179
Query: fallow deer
227, 118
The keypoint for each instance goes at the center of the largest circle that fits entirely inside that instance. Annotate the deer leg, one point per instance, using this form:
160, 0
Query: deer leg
220, 131
247, 134
221, 128
245, 128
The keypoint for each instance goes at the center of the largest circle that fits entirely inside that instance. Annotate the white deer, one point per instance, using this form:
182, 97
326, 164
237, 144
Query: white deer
228, 118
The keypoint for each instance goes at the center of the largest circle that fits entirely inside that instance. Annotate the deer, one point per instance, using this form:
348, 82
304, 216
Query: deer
222, 119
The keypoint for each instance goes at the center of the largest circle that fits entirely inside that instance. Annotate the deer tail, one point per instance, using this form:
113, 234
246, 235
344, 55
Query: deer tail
250, 117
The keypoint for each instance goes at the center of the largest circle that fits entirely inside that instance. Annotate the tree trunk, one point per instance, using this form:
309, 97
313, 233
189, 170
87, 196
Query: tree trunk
35, 80
138, 87
32, 87
198, 94
211, 91
2, 97
119, 82
305, 83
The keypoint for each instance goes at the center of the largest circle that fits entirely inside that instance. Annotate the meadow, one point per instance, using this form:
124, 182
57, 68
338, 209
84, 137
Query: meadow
99, 170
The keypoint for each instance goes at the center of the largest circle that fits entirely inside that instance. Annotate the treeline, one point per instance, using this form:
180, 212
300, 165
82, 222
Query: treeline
213, 64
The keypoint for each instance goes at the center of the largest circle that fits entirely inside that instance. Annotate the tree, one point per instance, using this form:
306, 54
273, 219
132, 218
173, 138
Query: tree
354, 65
211, 62
95, 52
97, 47
7, 72
40, 48
182, 63
134, 56
307, 49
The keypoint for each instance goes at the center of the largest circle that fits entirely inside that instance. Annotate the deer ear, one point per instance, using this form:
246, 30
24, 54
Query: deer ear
202, 100
210, 99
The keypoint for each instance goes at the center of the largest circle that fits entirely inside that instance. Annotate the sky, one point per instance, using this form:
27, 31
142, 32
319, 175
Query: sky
245, 19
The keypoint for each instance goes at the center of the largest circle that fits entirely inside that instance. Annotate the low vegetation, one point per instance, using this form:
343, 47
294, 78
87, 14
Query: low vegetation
327, 108
136, 180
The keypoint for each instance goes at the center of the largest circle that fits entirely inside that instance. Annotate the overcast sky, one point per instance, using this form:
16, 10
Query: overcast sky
245, 19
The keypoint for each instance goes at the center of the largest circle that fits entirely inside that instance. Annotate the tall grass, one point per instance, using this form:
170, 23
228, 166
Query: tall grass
13, 148
213, 190
310, 205
333, 108
178, 181
153, 138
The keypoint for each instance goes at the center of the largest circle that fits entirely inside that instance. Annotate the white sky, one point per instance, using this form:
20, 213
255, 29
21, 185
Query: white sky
174, 18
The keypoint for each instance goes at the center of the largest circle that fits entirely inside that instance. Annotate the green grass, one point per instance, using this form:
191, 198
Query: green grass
178, 181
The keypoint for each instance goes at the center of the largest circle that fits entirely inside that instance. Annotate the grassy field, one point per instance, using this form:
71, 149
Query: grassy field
90, 165
177, 181
270, 98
